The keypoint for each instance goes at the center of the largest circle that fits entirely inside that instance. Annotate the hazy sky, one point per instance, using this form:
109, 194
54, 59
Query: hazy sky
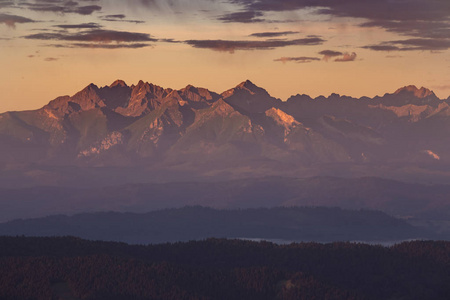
50, 48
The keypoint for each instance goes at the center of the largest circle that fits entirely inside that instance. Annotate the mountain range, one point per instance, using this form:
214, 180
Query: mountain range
147, 164
162, 134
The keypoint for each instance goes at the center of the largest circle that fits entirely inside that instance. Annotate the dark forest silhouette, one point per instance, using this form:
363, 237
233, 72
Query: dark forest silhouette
72, 268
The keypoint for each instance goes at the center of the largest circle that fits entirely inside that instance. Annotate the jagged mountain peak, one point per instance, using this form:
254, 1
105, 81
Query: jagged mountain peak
119, 83
408, 95
198, 94
189, 89
249, 98
91, 86
251, 87
247, 87
145, 87
412, 89
247, 84
141, 84
89, 92
86, 99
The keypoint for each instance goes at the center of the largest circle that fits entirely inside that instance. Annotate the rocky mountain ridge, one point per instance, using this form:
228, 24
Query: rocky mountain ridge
242, 128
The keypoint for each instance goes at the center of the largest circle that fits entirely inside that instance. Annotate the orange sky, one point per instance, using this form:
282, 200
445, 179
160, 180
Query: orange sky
53, 48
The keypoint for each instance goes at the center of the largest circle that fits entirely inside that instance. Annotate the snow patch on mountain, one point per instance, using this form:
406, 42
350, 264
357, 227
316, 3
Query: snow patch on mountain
432, 154
114, 138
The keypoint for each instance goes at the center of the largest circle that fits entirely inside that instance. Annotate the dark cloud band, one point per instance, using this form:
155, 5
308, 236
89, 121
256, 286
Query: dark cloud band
339, 56
412, 45
97, 35
59, 6
120, 18
301, 59
79, 26
242, 17
231, 46
327, 54
330, 53
12, 20
272, 34
413, 18
104, 46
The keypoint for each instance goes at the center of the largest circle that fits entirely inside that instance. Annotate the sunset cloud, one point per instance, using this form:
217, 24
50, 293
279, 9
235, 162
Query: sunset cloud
374, 10
231, 46
415, 18
423, 44
301, 59
106, 46
120, 18
11, 20
79, 26
6, 3
96, 39
97, 35
382, 47
327, 54
60, 6
272, 34
339, 56
242, 17
346, 57
412, 45
417, 28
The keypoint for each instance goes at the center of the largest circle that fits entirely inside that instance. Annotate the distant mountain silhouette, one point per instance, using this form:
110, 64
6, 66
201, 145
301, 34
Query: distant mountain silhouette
423, 205
196, 223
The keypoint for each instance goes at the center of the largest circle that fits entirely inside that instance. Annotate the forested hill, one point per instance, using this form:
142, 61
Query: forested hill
71, 268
